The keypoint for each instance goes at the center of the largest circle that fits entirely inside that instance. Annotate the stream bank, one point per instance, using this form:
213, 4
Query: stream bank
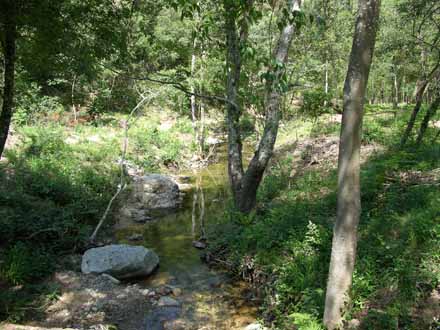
201, 297
183, 293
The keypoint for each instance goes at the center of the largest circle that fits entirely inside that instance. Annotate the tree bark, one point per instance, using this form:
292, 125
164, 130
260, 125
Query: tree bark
233, 110
395, 92
429, 114
420, 90
193, 91
245, 184
10, 32
349, 205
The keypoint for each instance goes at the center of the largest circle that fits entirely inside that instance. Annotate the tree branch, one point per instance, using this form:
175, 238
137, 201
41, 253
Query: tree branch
122, 184
176, 85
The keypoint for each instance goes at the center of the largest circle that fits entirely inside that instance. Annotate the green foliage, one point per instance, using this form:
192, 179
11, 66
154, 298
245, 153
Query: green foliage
42, 196
155, 147
289, 237
247, 125
314, 103
32, 105
23, 264
304, 321
380, 320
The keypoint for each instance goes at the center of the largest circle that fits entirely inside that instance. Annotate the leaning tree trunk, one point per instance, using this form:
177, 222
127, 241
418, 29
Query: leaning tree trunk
245, 184
420, 91
349, 205
429, 114
233, 110
10, 33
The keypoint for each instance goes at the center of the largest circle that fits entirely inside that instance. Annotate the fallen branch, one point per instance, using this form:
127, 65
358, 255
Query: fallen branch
122, 184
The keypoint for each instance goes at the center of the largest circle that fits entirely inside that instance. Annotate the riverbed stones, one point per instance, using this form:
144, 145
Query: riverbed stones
136, 237
255, 326
110, 278
176, 292
152, 194
199, 245
120, 261
168, 302
157, 192
160, 317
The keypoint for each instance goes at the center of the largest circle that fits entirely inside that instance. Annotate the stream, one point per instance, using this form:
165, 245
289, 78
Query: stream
208, 298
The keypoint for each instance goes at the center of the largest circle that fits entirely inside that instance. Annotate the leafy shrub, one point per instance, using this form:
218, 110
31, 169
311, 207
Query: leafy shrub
247, 124
154, 147
43, 194
23, 263
289, 241
313, 103
31, 104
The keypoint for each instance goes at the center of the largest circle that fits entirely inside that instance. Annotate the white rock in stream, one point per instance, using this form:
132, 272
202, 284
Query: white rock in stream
255, 326
120, 261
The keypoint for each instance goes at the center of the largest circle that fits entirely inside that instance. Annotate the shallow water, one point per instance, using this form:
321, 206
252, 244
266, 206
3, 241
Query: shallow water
209, 300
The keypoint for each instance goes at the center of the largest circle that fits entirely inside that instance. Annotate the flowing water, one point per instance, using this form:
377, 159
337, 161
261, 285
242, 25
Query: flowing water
209, 299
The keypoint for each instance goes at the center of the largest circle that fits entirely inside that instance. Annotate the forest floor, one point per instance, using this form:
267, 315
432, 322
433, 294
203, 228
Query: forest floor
281, 250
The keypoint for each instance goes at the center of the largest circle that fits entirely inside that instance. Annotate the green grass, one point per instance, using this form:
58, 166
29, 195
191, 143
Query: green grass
55, 187
284, 247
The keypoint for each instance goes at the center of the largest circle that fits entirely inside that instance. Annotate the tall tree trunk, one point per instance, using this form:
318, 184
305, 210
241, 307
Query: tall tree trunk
193, 91
202, 110
10, 32
245, 184
326, 80
395, 92
349, 205
233, 65
429, 114
420, 90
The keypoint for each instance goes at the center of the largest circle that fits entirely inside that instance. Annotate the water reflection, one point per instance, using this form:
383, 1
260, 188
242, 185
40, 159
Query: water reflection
198, 210
209, 299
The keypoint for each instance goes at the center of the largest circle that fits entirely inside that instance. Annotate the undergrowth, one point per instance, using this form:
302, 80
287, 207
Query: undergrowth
284, 247
54, 189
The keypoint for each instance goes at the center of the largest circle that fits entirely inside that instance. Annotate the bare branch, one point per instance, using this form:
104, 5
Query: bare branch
178, 86
122, 184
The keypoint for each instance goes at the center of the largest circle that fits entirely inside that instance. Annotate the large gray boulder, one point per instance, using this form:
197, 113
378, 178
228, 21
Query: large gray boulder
119, 260
152, 194
157, 191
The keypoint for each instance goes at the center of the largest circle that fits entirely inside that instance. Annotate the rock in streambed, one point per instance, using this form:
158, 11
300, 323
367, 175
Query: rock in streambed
120, 261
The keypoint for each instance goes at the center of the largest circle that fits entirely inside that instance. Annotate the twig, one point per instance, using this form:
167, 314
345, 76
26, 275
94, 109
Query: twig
41, 231
122, 184
176, 85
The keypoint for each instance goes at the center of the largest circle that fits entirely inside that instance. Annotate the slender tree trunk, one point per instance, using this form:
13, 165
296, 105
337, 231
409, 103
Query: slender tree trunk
202, 128
202, 113
395, 93
326, 79
245, 184
403, 90
273, 97
75, 117
429, 114
233, 110
349, 205
421, 86
10, 33
193, 90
